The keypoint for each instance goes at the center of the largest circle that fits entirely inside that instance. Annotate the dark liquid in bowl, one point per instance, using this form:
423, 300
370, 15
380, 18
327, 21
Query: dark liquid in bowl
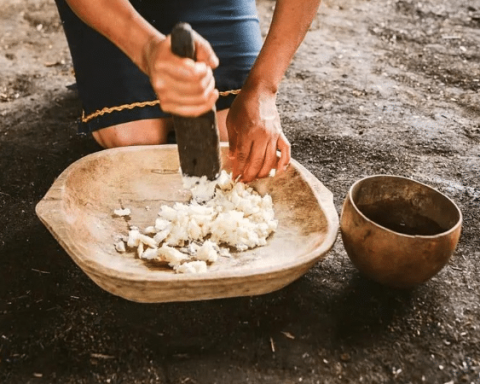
401, 217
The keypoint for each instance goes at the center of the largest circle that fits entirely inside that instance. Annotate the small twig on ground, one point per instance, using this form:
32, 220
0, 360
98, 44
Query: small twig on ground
39, 271
188, 380
272, 345
288, 335
101, 356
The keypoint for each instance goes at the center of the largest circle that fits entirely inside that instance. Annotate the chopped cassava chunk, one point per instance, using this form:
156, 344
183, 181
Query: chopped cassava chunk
221, 212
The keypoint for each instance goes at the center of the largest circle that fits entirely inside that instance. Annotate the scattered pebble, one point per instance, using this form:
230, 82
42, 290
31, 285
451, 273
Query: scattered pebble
345, 357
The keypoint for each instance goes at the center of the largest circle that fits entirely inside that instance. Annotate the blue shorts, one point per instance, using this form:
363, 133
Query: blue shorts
112, 88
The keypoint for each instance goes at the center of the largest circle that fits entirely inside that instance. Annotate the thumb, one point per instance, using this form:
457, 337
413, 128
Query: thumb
204, 52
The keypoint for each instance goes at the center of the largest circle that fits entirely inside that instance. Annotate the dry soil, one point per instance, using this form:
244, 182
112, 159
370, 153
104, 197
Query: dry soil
379, 86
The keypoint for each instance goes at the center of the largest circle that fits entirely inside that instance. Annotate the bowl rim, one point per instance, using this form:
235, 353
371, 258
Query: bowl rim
441, 234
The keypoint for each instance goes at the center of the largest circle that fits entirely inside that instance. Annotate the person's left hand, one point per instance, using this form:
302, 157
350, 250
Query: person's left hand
255, 134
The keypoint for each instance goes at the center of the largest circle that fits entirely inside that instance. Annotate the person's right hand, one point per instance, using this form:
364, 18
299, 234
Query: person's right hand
183, 87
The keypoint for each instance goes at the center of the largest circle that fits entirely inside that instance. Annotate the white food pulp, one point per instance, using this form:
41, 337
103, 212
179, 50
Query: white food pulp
122, 212
191, 236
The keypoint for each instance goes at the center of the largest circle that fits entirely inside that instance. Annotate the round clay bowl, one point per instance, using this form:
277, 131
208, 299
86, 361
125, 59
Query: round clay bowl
397, 231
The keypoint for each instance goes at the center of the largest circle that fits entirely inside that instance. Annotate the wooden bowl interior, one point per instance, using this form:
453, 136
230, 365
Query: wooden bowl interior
145, 179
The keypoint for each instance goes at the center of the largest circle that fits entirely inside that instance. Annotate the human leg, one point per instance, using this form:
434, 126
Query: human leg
222, 124
117, 97
147, 132
140, 132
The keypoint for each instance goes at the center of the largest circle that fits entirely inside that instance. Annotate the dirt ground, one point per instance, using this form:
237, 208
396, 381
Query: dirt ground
377, 87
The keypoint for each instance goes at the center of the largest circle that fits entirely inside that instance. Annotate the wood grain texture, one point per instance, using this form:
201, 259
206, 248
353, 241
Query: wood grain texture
78, 211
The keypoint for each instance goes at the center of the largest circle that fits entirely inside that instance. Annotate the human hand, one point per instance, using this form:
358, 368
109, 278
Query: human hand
183, 86
255, 135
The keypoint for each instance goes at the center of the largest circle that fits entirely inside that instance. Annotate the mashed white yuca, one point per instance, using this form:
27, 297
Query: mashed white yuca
222, 214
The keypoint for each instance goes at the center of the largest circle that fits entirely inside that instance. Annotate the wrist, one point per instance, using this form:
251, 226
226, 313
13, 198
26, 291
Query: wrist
260, 85
148, 51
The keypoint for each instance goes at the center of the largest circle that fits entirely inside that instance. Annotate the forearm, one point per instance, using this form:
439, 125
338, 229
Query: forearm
119, 22
290, 23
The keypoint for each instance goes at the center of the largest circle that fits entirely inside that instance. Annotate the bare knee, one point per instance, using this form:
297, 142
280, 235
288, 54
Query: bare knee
141, 132
222, 124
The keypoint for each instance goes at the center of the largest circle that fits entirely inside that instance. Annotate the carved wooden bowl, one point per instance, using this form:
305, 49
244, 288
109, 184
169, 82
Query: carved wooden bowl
398, 231
78, 211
